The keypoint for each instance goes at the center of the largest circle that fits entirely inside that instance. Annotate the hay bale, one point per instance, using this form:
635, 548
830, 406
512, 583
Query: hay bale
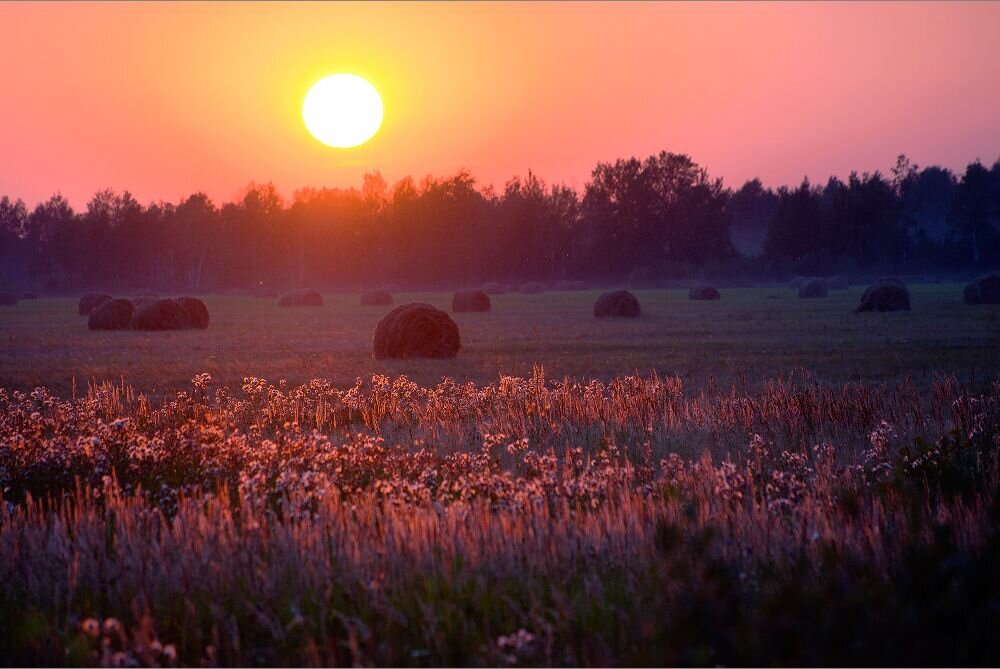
617, 304
27, 296
91, 300
893, 280
704, 292
797, 282
838, 283
531, 288
494, 288
8, 299
416, 330
115, 314
144, 299
814, 288
984, 290
470, 300
885, 295
160, 315
197, 311
301, 298
376, 298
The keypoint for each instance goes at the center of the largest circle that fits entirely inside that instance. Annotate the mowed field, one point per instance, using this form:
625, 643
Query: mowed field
751, 334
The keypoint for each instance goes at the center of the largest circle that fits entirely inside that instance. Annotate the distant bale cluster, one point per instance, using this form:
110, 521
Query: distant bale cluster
812, 288
160, 315
145, 312
617, 304
376, 298
494, 288
838, 283
704, 292
301, 298
887, 294
8, 299
90, 300
196, 310
470, 300
416, 330
797, 282
984, 290
115, 314
531, 288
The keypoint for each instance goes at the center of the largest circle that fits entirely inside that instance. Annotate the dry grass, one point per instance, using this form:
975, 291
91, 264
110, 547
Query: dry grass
523, 522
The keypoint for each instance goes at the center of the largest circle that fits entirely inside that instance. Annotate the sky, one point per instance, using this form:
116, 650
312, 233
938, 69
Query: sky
166, 99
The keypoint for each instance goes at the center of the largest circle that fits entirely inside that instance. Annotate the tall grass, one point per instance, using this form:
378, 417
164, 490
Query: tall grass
522, 523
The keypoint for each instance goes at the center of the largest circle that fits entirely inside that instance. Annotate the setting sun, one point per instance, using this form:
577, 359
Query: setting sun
342, 110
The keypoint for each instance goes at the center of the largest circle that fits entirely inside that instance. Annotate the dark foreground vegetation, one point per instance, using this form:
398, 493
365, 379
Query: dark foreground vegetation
524, 522
644, 221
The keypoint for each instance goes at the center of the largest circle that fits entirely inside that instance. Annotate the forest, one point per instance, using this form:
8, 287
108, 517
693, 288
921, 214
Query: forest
643, 220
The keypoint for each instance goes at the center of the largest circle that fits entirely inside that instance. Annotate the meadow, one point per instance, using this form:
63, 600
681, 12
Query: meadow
751, 334
760, 480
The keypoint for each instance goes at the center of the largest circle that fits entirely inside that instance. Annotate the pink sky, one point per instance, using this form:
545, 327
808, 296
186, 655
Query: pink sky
166, 99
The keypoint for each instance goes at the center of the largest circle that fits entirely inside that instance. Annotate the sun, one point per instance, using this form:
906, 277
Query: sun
342, 110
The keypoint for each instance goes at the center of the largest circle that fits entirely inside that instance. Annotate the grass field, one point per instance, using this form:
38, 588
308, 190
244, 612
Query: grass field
762, 480
751, 334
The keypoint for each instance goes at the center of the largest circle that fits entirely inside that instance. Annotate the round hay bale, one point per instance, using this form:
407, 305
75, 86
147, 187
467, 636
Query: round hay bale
115, 314
494, 288
416, 330
838, 283
885, 296
27, 296
984, 290
8, 299
160, 315
301, 298
797, 282
617, 304
376, 298
704, 293
144, 299
197, 311
814, 288
531, 288
91, 300
470, 300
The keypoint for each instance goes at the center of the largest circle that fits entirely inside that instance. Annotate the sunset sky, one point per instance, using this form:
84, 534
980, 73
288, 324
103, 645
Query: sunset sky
167, 99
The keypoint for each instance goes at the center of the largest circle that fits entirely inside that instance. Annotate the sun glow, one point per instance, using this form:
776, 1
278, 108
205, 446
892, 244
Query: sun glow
342, 110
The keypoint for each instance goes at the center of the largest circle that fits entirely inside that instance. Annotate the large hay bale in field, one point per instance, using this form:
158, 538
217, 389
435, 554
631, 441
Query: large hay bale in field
301, 298
376, 298
8, 299
143, 299
470, 300
704, 292
91, 300
531, 288
494, 288
984, 290
814, 288
885, 295
197, 311
838, 283
416, 330
797, 282
115, 314
27, 296
160, 315
617, 304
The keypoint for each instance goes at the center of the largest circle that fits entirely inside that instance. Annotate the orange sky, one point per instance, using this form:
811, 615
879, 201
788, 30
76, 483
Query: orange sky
166, 99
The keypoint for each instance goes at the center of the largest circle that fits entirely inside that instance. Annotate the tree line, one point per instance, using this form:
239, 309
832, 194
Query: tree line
661, 217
